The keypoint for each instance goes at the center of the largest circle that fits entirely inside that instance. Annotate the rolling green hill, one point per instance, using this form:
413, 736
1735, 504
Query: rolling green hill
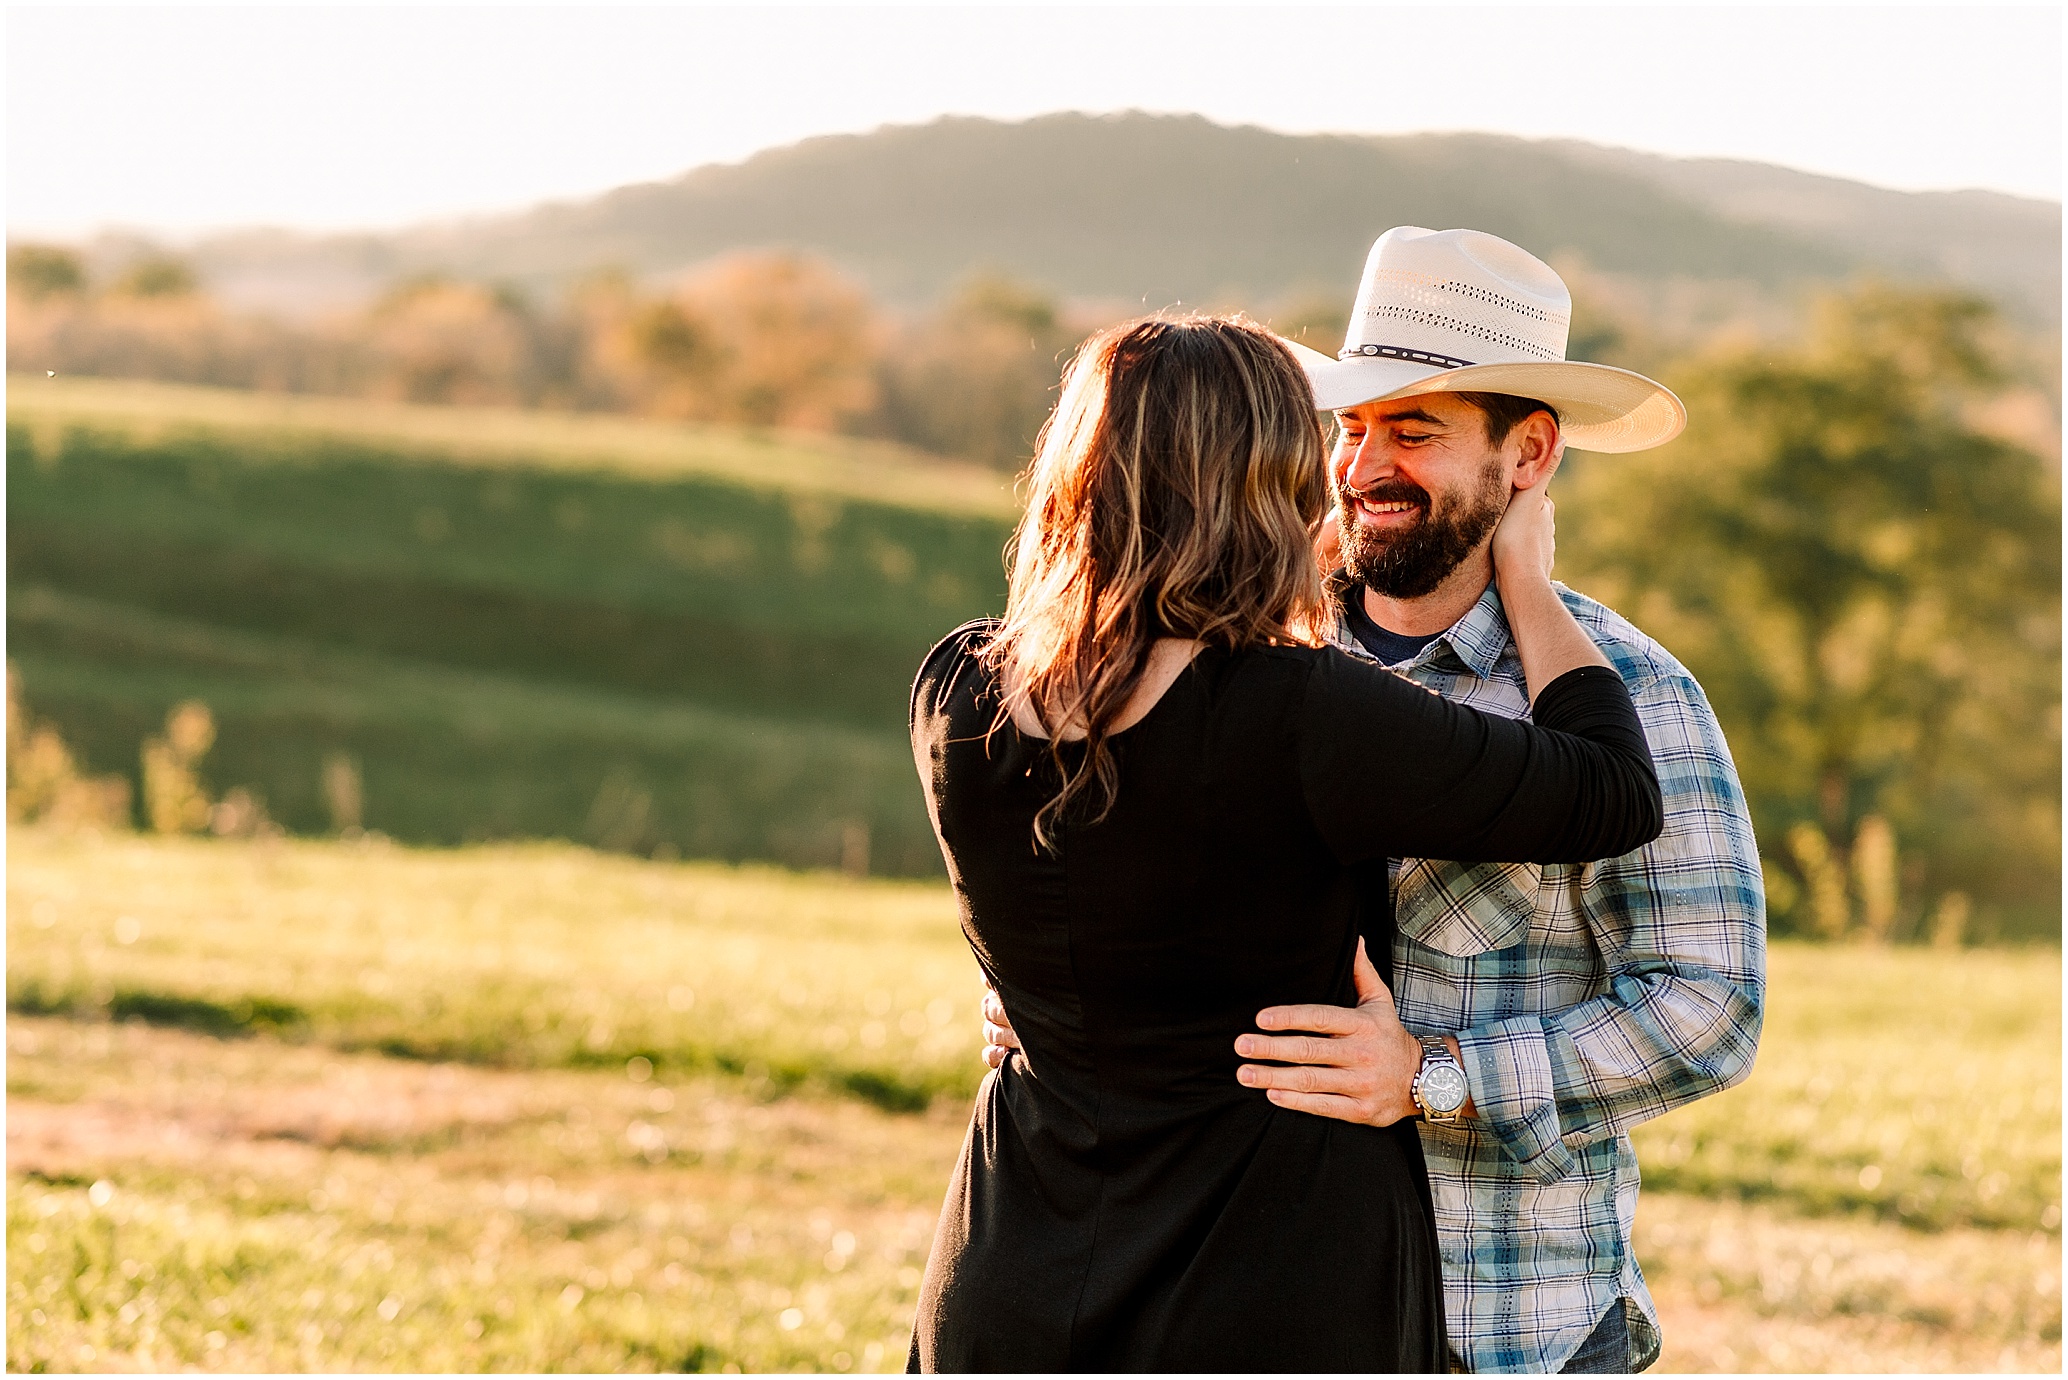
1158, 208
643, 635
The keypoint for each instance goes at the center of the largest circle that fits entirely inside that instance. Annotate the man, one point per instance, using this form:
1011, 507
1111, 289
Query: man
1575, 1001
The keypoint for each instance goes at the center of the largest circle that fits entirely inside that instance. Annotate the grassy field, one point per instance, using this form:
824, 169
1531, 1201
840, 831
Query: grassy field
292, 1105
545, 956
1904, 1085
812, 463
519, 625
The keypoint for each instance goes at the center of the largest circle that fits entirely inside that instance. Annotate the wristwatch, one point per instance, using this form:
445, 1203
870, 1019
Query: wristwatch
1439, 1089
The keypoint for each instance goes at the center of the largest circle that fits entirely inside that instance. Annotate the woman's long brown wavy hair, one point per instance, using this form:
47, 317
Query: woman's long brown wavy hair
1175, 493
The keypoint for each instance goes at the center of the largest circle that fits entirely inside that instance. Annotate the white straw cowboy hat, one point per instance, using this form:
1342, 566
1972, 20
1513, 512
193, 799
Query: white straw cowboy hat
1451, 311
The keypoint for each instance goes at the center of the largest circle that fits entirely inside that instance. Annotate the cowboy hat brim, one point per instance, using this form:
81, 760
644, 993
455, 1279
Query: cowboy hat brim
1600, 407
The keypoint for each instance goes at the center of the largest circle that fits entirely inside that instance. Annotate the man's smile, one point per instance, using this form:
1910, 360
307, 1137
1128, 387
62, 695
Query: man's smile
1385, 513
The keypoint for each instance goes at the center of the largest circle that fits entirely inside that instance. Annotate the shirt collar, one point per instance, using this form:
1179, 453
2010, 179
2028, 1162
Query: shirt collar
1477, 641
1481, 638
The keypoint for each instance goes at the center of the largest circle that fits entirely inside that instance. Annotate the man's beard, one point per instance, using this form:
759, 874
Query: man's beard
1413, 561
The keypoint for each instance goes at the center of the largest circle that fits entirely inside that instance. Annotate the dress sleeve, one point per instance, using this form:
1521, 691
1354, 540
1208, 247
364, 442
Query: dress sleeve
927, 709
937, 673
1389, 768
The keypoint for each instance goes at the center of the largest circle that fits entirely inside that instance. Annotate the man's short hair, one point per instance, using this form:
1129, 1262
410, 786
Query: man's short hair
1504, 412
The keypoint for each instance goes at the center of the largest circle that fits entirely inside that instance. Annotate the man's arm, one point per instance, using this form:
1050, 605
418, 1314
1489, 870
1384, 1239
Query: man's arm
1680, 926
1360, 1055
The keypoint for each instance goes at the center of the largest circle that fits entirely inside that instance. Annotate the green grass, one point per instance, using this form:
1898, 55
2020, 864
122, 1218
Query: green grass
684, 587
1914, 1085
534, 1107
451, 755
516, 629
543, 956
545, 1222
810, 463
1940, 1072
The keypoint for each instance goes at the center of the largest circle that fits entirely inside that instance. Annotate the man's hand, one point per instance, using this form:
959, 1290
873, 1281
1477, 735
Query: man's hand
999, 1038
1359, 1067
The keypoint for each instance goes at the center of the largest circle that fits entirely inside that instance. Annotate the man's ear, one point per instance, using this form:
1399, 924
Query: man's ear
1537, 447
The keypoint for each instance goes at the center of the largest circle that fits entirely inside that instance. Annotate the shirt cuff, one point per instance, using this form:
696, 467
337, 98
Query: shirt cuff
1508, 1068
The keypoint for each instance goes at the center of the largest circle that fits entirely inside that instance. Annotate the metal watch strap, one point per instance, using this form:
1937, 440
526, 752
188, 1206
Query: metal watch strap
1435, 1051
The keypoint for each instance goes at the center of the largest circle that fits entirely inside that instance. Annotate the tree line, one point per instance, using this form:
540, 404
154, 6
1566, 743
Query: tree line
1866, 579
764, 338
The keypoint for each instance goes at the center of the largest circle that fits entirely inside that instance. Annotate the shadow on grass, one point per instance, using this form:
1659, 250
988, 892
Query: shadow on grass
698, 1359
249, 1016
891, 1094
225, 1020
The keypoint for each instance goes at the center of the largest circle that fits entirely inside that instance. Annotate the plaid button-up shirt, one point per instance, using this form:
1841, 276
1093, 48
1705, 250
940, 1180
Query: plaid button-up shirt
1585, 999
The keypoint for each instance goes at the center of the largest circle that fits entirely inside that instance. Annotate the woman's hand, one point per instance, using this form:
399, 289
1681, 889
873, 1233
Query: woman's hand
1547, 637
1526, 542
1328, 543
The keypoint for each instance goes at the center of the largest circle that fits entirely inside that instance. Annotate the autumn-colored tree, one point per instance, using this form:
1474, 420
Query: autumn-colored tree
766, 339
154, 321
1869, 588
157, 275
38, 271
978, 378
435, 340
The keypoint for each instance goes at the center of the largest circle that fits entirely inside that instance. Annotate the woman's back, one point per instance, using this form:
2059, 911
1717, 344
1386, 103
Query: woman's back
1199, 899
1166, 1203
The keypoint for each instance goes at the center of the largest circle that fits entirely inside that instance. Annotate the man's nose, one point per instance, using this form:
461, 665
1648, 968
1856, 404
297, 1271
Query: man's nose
1365, 464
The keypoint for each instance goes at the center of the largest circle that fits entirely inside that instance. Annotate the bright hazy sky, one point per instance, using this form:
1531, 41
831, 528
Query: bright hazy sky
179, 118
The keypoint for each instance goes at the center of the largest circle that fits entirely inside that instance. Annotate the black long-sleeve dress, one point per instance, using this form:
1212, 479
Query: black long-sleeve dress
1122, 1203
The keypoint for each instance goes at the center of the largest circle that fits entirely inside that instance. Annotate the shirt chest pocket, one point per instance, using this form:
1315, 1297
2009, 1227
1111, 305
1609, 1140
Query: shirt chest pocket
1463, 909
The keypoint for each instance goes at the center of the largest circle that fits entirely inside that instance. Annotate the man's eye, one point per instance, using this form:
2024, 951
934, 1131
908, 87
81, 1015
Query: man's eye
1411, 437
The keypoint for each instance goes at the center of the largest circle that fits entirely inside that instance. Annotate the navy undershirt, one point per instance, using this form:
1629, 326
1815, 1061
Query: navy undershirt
1388, 646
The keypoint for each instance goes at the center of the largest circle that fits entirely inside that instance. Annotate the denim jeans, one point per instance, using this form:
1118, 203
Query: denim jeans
1605, 1352
1607, 1348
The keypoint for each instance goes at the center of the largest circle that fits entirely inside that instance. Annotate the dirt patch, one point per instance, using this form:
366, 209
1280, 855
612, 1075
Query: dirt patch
84, 1094
1745, 1288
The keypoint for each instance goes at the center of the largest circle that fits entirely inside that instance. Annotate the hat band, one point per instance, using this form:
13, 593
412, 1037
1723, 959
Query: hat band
1403, 352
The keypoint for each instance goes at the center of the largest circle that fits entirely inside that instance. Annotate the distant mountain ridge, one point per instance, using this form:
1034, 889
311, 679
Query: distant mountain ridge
1162, 208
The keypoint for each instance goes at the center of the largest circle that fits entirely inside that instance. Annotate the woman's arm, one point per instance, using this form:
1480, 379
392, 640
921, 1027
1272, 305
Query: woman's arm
1390, 769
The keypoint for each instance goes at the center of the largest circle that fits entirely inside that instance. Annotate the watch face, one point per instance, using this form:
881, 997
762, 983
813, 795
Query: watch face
1443, 1088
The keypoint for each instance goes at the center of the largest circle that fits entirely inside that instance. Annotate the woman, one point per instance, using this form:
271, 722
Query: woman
1155, 791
